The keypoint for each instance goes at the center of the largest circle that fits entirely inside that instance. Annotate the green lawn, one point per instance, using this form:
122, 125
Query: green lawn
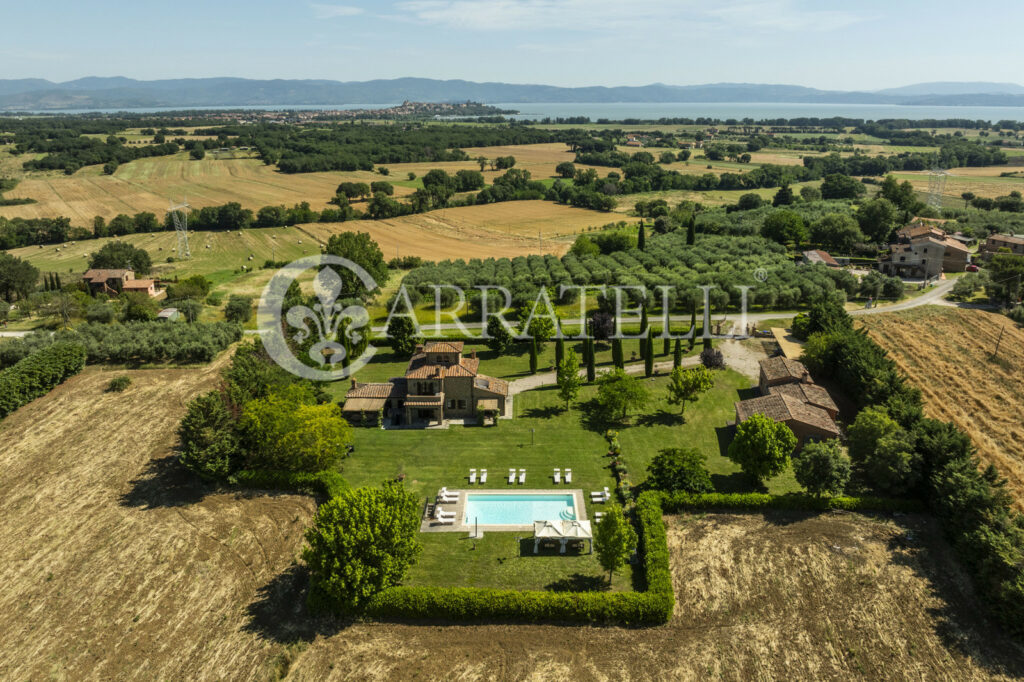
430, 459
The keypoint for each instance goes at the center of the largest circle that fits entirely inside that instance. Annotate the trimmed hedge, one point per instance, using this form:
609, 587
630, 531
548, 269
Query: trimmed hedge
674, 502
37, 374
651, 607
323, 483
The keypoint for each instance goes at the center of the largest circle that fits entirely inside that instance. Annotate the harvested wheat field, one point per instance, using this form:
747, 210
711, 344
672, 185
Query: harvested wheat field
505, 229
117, 564
946, 352
149, 184
114, 563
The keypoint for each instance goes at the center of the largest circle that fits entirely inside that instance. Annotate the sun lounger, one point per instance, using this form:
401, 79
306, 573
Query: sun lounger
522, 476
447, 519
511, 476
558, 476
598, 516
483, 476
472, 475
568, 475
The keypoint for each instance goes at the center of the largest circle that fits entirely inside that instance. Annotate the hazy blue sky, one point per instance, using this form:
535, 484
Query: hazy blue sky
849, 45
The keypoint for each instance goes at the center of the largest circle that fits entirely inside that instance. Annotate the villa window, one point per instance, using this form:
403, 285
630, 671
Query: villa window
451, 404
462, 404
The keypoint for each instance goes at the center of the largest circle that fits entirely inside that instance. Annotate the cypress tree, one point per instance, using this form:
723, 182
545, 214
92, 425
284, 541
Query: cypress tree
648, 354
643, 330
559, 350
46, 282
677, 354
617, 358
666, 345
707, 343
533, 355
693, 327
641, 237
691, 231
56, 280
591, 361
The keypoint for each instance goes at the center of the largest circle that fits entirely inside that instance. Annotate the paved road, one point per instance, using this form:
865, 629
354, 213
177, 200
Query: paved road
12, 335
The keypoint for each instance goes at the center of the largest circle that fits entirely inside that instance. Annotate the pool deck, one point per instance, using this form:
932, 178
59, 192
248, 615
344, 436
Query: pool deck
432, 525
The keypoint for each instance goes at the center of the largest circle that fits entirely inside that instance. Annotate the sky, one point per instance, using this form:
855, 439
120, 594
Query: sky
864, 45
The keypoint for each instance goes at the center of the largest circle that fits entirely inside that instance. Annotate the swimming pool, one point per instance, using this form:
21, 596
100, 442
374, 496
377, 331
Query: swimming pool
518, 509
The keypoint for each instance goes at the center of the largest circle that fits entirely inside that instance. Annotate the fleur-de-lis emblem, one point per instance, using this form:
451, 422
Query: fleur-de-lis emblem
327, 315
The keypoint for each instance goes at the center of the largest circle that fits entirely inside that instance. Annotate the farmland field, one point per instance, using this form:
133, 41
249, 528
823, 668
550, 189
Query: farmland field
117, 565
148, 185
946, 353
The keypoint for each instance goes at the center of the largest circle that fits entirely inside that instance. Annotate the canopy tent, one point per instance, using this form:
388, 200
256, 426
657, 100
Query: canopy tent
563, 531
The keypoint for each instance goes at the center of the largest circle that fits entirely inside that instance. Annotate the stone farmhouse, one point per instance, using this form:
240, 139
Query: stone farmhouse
995, 242
440, 384
114, 281
924, 250
789, 395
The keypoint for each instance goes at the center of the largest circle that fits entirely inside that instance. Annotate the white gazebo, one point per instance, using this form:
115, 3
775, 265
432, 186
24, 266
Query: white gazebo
563, 531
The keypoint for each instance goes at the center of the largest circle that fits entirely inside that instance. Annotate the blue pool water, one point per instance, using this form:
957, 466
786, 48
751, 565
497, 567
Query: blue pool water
518, 509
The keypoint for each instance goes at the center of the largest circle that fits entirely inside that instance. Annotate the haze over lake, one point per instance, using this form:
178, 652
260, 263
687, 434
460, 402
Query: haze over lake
656, 110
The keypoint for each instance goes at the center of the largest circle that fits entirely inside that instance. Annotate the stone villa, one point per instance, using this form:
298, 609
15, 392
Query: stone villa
439, 384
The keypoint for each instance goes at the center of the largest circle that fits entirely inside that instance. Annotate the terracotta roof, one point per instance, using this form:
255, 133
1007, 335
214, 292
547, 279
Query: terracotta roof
487, 404
499, 386
443, 347
783, 408
1006, 238
363, 404
780, 367
812, 394
139, 283
394, 388
420, 368
819, 256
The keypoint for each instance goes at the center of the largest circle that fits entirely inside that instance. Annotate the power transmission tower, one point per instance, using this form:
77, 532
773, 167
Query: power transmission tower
179, 213
936, 185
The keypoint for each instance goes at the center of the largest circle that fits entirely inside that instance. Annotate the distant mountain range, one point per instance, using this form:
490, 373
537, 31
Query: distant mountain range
32, 94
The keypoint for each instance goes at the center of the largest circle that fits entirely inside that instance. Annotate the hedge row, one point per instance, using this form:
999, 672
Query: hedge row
37, 374
650, 607
679, 501
326, 484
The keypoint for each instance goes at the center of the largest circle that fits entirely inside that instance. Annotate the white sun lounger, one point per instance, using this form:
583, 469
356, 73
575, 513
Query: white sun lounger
558, 476
472, 475
568, 475
511, 476
598, 516
483, 476
522, 476
447, 519
440, 513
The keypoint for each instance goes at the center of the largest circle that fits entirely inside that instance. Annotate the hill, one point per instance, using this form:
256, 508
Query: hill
119, 92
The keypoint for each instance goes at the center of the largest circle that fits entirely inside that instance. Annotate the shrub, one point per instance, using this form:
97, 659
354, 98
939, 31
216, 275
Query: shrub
822, 468
712, 358
680, 469
362, 542
119, 384
209, 445
762, 446
38, 373
238, 309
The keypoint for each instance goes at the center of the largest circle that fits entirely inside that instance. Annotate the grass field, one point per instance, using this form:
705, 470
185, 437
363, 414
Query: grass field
116, 564
983, 182
946, 352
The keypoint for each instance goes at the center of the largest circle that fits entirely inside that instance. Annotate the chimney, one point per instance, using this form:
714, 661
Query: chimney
473, 354
355, 384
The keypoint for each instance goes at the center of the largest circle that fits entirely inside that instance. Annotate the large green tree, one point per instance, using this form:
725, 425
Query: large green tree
837, 232
877, 219
362, 542
784, 226
614, 540
402, 335
359, 248
121, 255
762, 446
287, 430
209, 444
18, 278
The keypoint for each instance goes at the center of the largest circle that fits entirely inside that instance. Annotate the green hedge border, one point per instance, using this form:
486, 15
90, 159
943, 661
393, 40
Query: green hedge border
674, 502
325, 484
653, 606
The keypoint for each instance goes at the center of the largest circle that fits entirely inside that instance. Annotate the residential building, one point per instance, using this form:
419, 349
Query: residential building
924, 250
106, 281
142, 286
817, 256
995, 242
439, 384
789, 395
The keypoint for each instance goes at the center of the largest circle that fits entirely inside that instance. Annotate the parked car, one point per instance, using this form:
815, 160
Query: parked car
972, 268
